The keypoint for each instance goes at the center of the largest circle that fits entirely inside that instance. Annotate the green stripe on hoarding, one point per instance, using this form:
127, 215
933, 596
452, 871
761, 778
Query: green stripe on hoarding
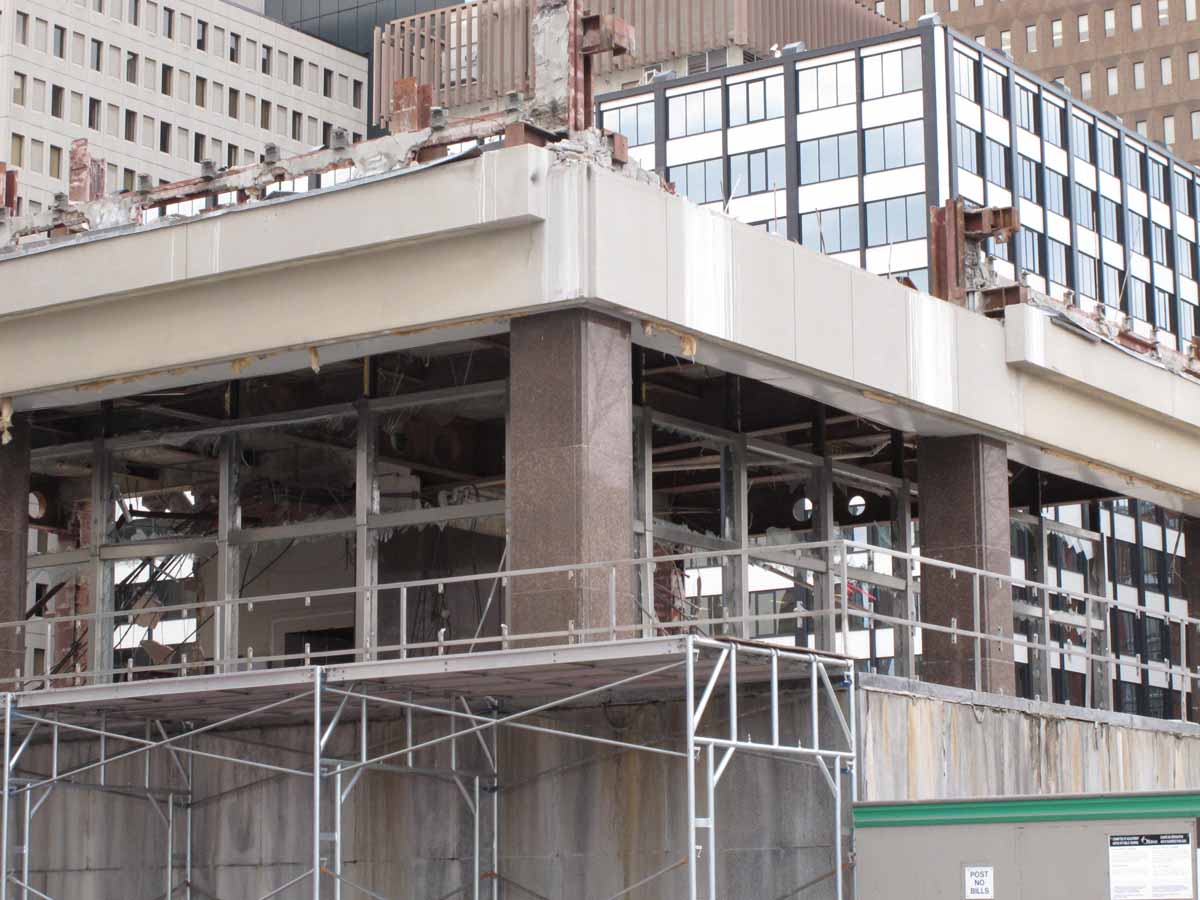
1032, 809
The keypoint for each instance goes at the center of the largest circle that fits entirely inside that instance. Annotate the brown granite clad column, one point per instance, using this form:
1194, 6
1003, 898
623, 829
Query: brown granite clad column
570, 467
14, 535
964, 519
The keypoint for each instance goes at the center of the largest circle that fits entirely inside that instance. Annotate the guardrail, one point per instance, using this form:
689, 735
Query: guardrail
838, 604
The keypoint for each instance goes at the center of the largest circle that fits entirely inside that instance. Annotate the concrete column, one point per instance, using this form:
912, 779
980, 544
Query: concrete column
964, 519
14, 536
570, 468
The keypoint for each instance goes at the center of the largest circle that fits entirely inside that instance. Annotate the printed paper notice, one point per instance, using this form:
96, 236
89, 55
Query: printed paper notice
1150, 867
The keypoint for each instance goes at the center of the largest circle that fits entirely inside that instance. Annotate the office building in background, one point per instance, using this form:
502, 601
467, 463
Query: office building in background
1138, 60
157, 87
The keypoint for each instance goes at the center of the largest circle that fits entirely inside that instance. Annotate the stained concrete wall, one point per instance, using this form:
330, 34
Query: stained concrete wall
578, 821
929, 742
584, 821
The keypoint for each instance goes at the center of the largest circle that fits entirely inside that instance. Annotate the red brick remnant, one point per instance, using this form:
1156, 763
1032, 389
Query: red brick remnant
87, 174
8, 189
411, 103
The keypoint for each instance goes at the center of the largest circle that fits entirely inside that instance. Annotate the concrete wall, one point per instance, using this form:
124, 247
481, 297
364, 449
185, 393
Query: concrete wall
578, 821
584, 821
929, 742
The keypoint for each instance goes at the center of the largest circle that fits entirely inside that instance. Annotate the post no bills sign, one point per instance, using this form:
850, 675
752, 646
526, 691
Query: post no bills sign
979, 883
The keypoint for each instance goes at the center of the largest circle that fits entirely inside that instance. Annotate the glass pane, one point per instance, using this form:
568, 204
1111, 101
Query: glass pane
676, 117
916, 216
806, 80
776, 169
712, 171
893, 77
809, 236
872, 77
756, 101
827, 86
737, 105
829, 158
897, 216
845, 73
914, 143
876, 224
695, 113
739, 177
875, 150
848, 155
894, 145
810, 162
645, 123
912, 69
758, 172
775, 96
712, 110
850, 222
831, 231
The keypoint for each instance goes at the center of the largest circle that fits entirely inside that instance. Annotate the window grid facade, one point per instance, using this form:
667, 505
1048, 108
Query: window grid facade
1109, 216
139, 90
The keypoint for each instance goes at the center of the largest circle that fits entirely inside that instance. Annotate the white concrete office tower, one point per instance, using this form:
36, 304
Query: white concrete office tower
156, 87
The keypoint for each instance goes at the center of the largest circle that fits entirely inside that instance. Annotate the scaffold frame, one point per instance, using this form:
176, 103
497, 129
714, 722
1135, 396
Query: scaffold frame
691, 668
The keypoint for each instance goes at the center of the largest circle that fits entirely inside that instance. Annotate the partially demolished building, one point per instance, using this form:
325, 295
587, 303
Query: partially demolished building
423, 517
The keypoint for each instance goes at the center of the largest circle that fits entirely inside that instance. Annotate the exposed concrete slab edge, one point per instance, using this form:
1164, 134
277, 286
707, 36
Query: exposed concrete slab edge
890, 684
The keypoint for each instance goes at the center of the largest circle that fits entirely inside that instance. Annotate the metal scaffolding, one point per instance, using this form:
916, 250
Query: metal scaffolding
533, 682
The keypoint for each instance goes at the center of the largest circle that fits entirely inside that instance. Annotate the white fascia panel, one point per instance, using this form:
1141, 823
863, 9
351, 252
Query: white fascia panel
824, 122
1110, 186
898, 108
1029, 144
894, 183
755, 136
970, 186
694, 148
1085, 174
996, 127
828, 194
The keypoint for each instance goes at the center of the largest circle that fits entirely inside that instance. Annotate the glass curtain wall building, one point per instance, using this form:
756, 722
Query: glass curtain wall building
347, 23
845, 150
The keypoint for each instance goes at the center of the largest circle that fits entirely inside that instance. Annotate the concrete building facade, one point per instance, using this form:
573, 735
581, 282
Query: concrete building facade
1138, 61
155, 88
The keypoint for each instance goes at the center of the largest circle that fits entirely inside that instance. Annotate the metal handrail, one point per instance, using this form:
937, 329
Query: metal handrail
835, 565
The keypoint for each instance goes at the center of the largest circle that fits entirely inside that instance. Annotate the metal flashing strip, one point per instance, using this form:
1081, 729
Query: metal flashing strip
1028, 809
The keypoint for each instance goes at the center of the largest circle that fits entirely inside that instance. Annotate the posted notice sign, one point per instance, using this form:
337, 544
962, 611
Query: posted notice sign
980, 883
1150, 867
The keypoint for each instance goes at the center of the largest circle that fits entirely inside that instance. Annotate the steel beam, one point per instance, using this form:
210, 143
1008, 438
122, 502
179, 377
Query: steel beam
366, 540
100, 583
229, 519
